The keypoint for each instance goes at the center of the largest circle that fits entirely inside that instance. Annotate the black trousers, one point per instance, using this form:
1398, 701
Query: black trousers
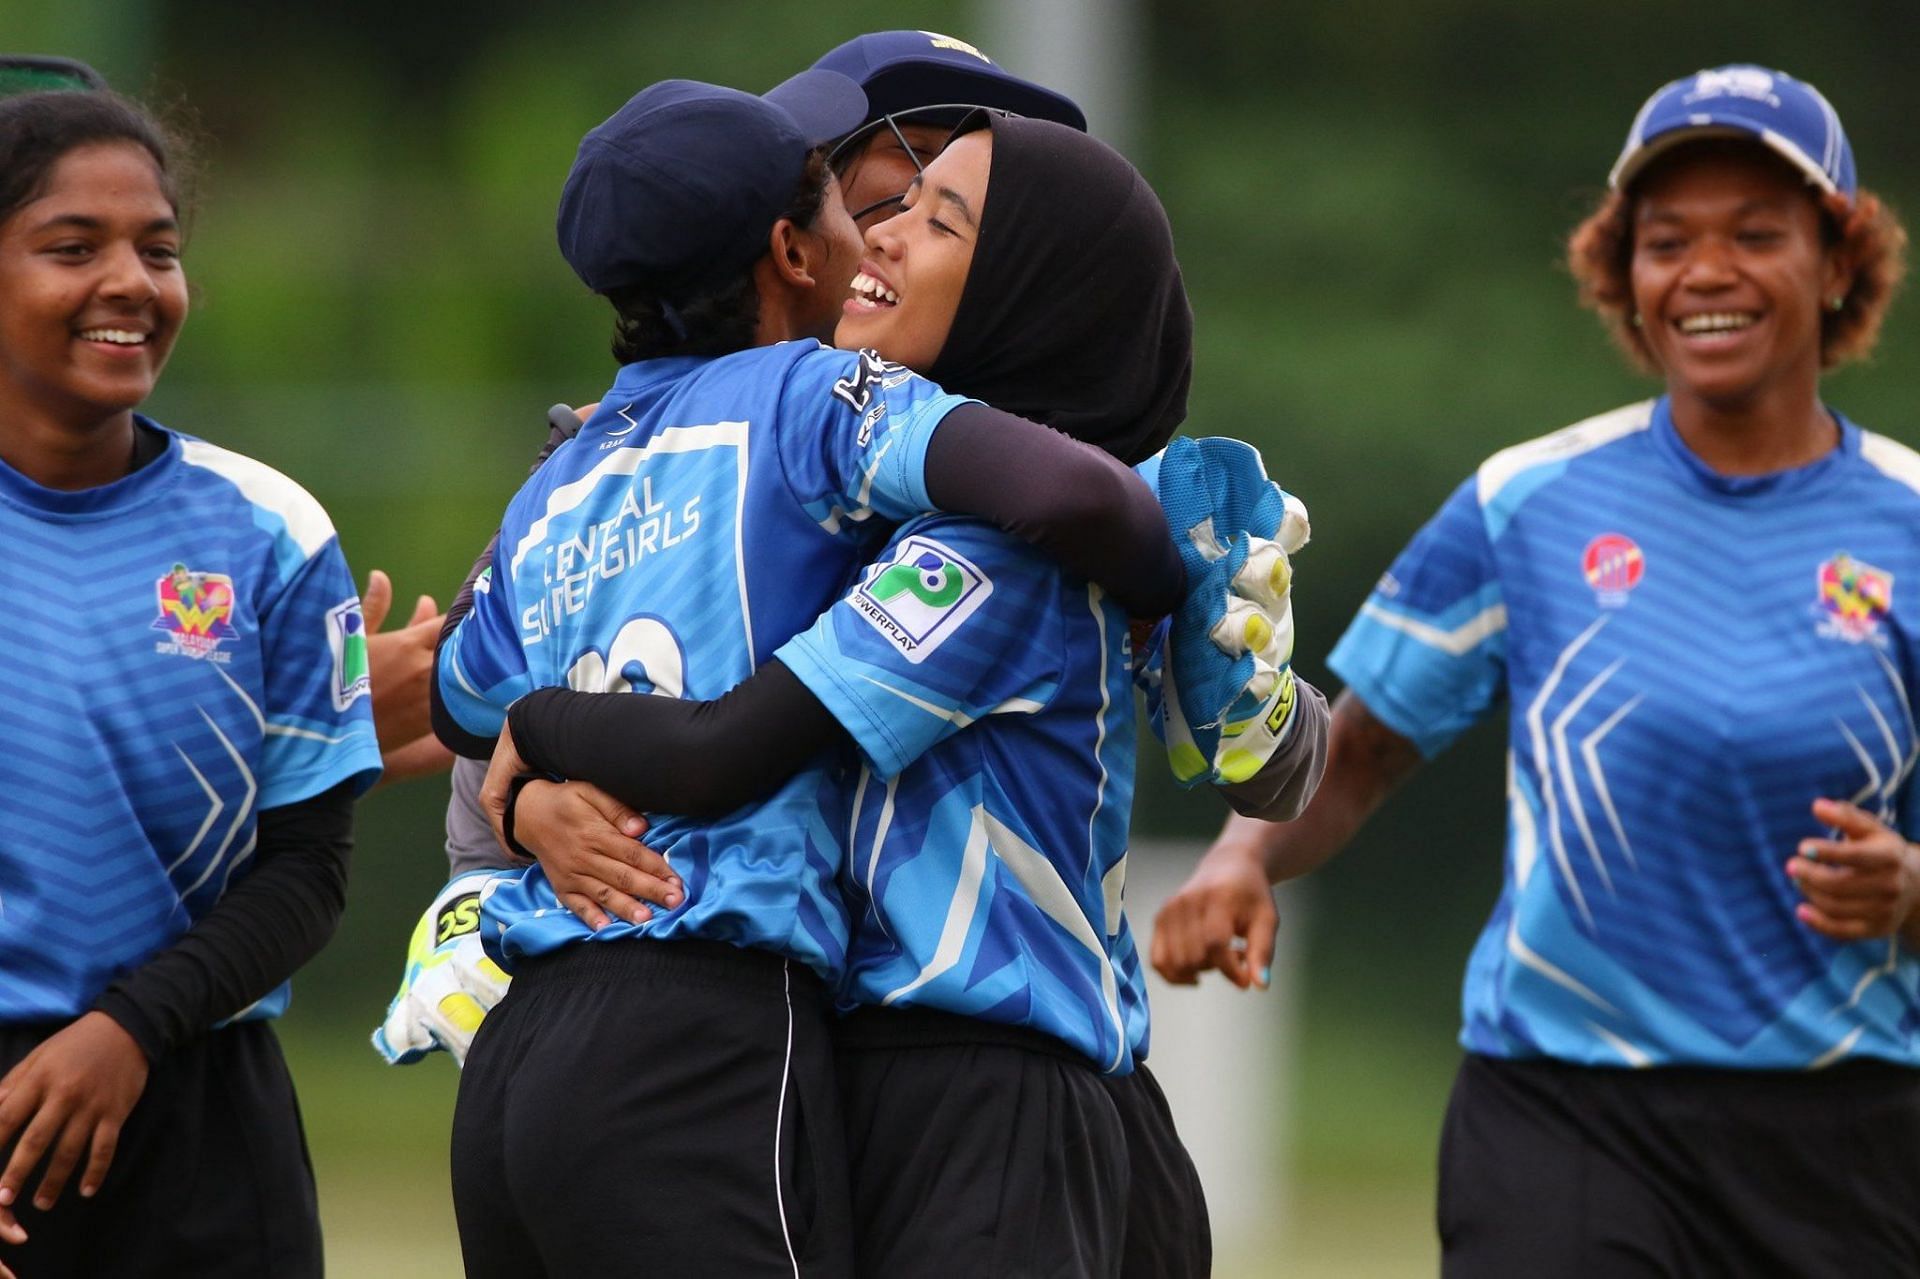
1588, 1173
1168, 1234
657, 1108
978, 1150
211, 1177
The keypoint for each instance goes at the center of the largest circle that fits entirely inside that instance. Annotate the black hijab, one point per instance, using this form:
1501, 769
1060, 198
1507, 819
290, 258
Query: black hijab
1073, 313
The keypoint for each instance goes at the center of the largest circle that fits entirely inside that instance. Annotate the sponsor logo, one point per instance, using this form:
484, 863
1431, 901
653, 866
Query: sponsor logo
457, 918
958, 46
922, 596
347, 637
1736, 82
867, 423
1853, 599
196, 612
856, 390
1613, 565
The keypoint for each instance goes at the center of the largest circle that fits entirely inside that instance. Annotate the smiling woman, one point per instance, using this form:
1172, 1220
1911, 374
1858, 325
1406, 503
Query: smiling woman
186, 731
1697, 993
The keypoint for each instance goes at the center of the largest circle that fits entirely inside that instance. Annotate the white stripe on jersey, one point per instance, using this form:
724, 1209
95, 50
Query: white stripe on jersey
1568, 442
960, 908
1462, 639
625, 461
1012, 706
266, 488
1891, 458
1050, 893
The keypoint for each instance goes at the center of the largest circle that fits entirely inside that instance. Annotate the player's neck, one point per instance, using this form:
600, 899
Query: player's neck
1773, 429
63, 455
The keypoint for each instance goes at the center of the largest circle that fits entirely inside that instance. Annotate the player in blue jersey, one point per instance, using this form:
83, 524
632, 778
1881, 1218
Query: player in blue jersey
1693, 1020
188, 727
984, 868
717, 501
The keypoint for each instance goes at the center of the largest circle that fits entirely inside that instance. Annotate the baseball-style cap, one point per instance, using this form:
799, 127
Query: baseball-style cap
1744, 101
37, 73
910, 70
678, 188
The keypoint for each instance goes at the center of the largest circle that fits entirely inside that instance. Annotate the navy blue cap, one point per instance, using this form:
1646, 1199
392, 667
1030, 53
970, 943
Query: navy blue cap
1772, 108
678, 188
908, 70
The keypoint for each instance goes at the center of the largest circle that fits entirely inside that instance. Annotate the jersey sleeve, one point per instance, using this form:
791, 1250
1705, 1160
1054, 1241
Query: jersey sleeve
853, 436
954, 621
318, 712
481, 667
1427, 652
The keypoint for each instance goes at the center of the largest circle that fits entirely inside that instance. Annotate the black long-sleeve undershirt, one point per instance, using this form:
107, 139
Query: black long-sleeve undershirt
269, 923
1078, 505
673, 754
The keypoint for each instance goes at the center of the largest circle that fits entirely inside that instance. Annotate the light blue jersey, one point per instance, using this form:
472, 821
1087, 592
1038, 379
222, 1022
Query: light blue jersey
1691, 659
991, 696
184, 649
709, 510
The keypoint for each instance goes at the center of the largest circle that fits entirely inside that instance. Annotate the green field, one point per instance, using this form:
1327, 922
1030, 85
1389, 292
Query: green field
1364, 1117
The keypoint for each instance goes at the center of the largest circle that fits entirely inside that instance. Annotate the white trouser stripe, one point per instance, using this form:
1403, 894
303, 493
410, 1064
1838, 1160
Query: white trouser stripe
780, 1117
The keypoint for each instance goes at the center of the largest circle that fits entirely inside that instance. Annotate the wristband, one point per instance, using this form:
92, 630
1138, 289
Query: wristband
514, 787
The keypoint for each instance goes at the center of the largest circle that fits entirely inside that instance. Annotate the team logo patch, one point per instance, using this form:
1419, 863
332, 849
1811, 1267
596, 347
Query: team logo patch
1613, 565
1854, 598
347, 637
921, 596
196, 612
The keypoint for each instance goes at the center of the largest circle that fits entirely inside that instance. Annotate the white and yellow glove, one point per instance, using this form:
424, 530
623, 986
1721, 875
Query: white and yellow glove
449, 983
1226, 695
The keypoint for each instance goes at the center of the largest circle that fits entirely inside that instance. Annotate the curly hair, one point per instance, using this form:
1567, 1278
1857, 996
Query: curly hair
720, 319
1865, 231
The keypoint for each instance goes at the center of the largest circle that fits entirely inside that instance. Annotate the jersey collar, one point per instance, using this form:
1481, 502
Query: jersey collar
1698, 475
99, 502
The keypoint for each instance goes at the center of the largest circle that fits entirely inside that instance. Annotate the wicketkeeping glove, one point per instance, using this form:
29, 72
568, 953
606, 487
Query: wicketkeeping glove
1227, 694
449, 982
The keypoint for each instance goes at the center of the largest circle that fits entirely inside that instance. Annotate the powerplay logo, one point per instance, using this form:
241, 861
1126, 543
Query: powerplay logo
921, 596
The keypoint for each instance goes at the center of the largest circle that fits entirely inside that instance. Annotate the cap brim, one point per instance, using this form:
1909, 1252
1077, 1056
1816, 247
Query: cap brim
822, 104
1634, 162
910, 84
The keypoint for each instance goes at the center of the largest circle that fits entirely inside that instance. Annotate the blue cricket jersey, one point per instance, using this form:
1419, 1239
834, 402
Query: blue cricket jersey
985, 868
710, 509
1691, 659
186, 651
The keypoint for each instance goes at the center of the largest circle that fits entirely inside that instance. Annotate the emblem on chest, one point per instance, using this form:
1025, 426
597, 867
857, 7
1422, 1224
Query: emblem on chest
1853, 598
1613, 564
196, 612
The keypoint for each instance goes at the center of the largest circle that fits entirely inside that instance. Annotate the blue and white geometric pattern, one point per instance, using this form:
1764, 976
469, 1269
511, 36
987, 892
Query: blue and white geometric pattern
169, 676
1689, 660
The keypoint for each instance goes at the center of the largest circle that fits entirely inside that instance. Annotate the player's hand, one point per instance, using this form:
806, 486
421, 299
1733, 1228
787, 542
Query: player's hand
400, 666
589, 845
448, 985
66, 1099
1865, 883
1222, 918
1226, 697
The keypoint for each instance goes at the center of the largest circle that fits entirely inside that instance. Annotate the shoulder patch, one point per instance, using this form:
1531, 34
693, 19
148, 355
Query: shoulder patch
1891, 458
347, 641
921, 596
1563, 445
304, 518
